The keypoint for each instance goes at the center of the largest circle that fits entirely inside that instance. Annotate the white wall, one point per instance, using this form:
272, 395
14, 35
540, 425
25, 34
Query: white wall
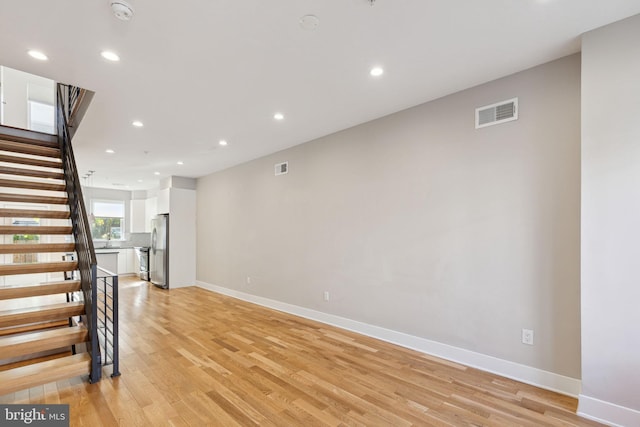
182, 238
421, 224
611, 223
16, 87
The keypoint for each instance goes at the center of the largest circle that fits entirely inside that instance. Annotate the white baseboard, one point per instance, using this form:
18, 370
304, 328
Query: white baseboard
607, 413
526, 374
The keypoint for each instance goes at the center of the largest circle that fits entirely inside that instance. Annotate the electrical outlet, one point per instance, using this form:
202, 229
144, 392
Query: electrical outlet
527, 336
326, 295
248, 280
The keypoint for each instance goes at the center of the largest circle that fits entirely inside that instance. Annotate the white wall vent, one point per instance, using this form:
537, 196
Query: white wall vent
282, 168
497, 113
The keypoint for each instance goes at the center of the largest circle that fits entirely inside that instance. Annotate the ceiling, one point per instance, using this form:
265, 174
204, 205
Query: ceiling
198, 71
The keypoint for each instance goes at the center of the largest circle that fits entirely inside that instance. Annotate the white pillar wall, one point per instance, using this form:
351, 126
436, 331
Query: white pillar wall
610, 289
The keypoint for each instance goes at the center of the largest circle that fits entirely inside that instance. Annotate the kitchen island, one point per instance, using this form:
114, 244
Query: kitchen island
119, 261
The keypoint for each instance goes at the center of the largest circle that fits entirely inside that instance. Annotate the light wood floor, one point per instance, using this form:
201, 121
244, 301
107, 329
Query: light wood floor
190, 357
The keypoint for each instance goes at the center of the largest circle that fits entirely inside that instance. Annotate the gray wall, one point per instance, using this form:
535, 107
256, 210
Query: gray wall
419, 223
611, 222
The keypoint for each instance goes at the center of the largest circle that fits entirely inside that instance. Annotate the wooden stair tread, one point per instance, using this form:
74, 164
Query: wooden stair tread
51, 288
30, 161
6, 170
10, 133
38, 267
44, 372
32, 185
30, 248
36, 229
41, 313
31, 149
24, 198
34, 342
39, 326
34, 213
43, 356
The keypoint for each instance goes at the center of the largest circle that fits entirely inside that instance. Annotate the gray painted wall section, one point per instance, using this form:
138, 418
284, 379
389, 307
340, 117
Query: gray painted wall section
419, 223
611, 223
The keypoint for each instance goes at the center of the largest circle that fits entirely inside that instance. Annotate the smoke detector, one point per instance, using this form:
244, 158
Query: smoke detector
122, 10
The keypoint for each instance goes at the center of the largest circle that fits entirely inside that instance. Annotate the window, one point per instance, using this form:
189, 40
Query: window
25, 258
108, 219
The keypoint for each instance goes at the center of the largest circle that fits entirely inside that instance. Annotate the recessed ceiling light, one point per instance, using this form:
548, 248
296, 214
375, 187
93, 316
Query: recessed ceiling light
309, 22
109, 151
223, 142
110, 56
38, 55
278, 116
137, 123
156, 173
180, 163
376, 71
140, 180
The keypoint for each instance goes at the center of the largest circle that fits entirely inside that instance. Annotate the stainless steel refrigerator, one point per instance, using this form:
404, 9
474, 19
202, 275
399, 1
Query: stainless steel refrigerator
159, 252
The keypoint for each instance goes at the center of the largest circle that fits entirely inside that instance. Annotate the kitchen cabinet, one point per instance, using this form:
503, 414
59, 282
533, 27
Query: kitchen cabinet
126, 261
150, 210
138, 216
119, 261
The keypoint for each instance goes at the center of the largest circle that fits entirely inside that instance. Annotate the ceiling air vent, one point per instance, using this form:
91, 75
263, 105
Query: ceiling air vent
494, 114
282, 168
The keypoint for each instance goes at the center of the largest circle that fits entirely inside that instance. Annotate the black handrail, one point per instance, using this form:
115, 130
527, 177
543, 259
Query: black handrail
87, 263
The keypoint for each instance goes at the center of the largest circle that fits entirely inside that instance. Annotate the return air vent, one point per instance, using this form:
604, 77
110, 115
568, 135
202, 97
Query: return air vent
494, 114
282, 168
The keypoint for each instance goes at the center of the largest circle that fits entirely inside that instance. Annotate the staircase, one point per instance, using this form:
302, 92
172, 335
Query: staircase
47, 264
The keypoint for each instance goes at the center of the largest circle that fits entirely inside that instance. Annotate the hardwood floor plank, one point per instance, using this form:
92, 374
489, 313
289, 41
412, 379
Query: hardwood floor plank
190, 357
